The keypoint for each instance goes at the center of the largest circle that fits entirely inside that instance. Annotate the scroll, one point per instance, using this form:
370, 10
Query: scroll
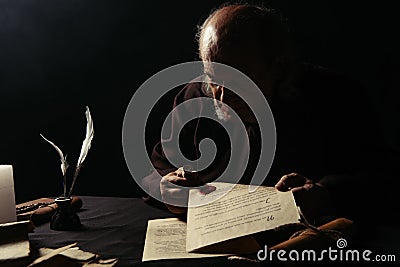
310, 238
41, 210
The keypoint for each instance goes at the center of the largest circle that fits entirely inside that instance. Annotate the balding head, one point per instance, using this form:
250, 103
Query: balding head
244, 35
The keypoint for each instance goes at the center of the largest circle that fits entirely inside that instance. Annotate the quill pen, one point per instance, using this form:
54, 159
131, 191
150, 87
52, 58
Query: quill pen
85, 148
64, 164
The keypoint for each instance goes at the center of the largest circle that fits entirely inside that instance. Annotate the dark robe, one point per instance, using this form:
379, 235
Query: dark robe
325, 132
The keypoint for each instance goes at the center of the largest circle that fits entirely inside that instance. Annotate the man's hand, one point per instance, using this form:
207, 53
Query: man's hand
312, 198
175, 188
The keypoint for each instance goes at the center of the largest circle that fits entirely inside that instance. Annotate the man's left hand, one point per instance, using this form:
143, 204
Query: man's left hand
312, 198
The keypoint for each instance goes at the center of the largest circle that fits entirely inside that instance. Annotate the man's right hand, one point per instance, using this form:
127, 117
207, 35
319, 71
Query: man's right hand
175, 187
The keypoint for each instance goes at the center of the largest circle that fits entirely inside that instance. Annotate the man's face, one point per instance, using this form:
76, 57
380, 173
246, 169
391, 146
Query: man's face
249, 62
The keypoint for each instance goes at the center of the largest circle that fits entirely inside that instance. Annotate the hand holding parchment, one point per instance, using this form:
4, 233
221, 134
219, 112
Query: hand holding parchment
312, 198
175, 188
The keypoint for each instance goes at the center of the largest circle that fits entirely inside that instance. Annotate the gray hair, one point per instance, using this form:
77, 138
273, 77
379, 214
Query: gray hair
255, 24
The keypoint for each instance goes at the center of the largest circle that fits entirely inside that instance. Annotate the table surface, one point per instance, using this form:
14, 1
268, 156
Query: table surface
116, 228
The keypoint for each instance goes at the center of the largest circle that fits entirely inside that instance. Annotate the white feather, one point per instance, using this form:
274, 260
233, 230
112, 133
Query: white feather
85, 148
64, 164
88, 138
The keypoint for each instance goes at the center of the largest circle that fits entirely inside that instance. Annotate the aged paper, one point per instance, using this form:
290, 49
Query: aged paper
13, 251
166, 239
14, 241
232, 211
74, 253
72, 256
51, 254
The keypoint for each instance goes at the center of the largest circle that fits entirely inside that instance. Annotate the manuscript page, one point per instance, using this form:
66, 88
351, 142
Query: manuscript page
166, 239
232, 211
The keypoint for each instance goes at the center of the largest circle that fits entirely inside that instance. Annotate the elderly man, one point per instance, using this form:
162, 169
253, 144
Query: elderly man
321, 132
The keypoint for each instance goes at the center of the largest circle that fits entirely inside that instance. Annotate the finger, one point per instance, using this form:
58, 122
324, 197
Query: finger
297, 189
176, 193
290, 181
189, 179
173, 181
177, 202
308, 185
174, 173
180, 172
193, 176
207, 189
182, 178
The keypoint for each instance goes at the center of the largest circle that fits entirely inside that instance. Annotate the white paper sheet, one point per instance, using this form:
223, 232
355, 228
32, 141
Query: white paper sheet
237, 213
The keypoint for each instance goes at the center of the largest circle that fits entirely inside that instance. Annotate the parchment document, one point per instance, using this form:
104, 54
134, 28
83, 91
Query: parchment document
233, 211
14, 241
166, 239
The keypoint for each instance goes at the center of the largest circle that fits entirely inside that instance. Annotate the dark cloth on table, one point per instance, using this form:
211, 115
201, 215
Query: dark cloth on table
326, 131
116, 228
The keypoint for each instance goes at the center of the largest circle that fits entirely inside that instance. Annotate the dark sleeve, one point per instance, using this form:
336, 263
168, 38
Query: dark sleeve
151, 183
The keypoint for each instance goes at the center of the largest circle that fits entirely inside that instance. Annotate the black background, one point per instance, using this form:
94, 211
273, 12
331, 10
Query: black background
57, 56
